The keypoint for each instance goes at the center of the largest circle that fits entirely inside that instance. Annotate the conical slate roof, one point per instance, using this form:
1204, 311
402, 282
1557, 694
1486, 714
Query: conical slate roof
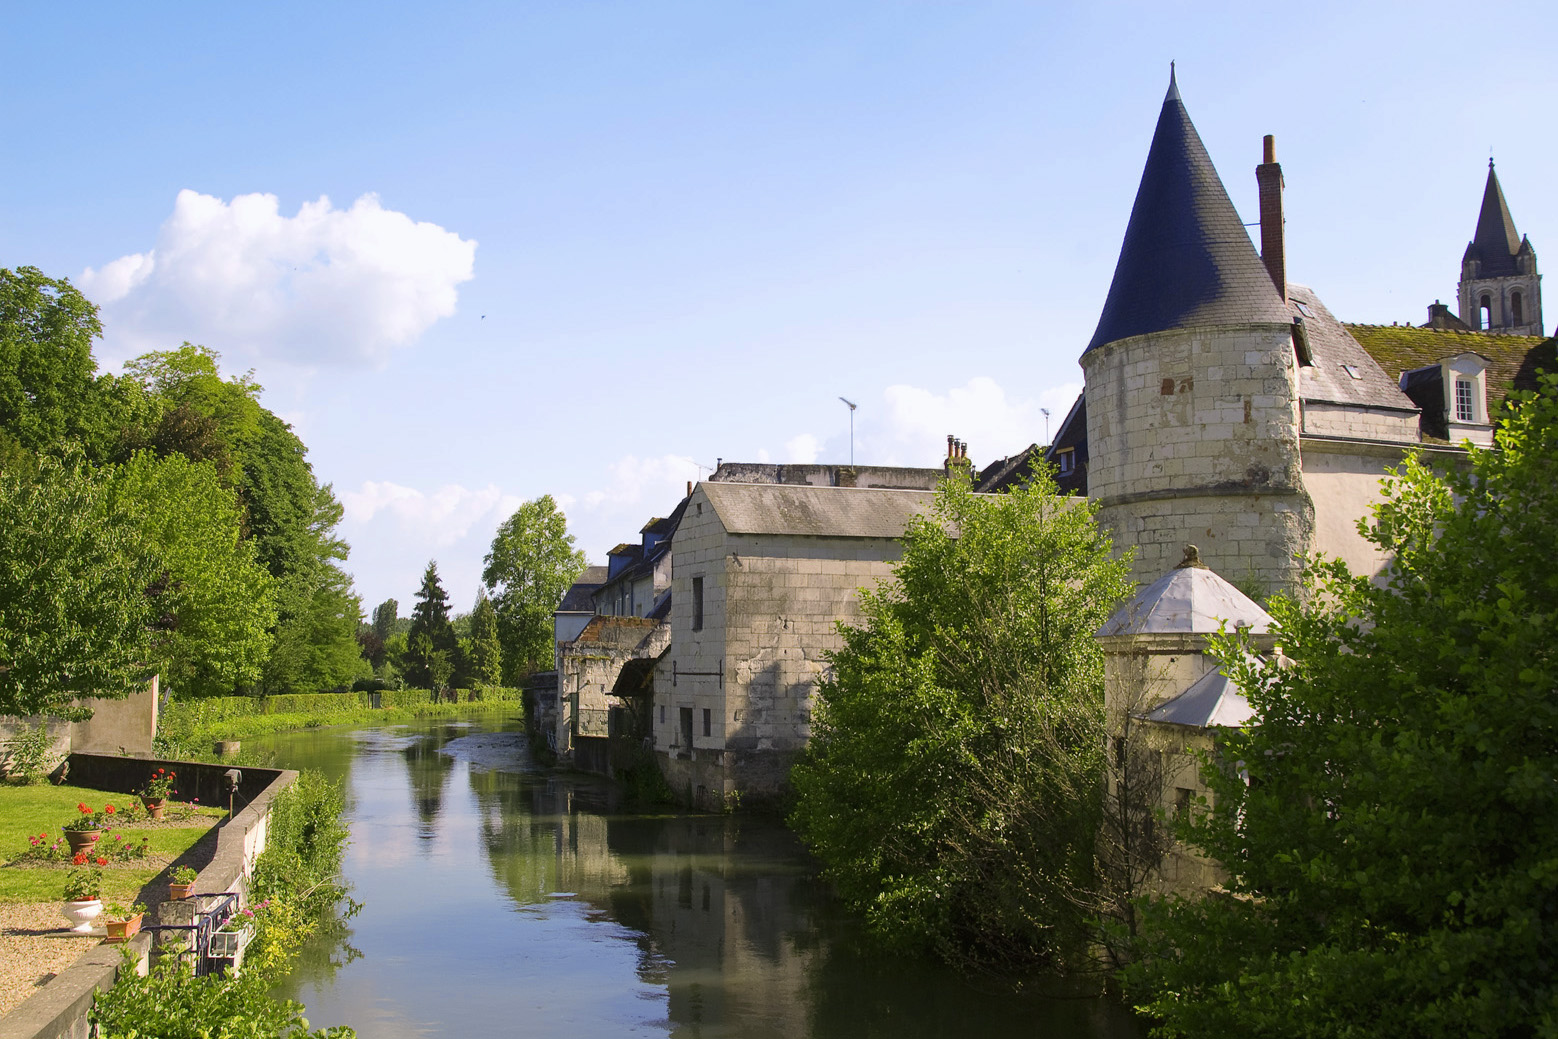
1212, 700
1496, 241
1188, 600
1187, 259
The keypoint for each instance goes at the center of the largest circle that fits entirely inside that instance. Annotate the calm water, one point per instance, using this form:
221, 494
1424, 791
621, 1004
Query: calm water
501, 900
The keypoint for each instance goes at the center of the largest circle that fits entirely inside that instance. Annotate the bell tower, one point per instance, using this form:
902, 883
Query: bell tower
1500, 289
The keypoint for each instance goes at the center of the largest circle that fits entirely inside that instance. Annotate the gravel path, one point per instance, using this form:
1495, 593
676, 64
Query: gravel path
35, 945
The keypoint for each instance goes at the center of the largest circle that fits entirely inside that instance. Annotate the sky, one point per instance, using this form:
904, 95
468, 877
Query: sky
477, 253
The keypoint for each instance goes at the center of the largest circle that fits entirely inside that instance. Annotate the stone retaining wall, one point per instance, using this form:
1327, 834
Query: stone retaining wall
59, 1009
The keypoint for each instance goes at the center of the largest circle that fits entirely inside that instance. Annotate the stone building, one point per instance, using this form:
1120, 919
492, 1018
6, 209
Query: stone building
588, 671
762, 575
1225, 405
1500, 289
1165, 697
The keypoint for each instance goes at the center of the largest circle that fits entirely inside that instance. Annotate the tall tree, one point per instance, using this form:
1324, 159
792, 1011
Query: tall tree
217, 603
384, 617
75, 613
1390, 817
431, 639
530, 566
952, 783
485, 656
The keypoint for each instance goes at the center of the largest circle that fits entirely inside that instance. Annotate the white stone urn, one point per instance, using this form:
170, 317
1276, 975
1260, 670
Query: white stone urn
82, 914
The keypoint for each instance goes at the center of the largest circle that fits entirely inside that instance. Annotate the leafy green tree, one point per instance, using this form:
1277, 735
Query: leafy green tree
431, 639
75, 614
384, 617
46, 368
485, 654
952, 784
530, 566
1390, 821
217, 603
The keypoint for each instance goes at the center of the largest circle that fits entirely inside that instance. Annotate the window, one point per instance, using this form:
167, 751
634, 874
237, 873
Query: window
1182, 800
662, 714
1067, 460
708, 720
1303, 309
1485, 312
1516, 309
1352, 370
1465, 409
686, 720
697, 604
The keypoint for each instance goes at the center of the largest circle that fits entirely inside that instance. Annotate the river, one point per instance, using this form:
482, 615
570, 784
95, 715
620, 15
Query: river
500, 899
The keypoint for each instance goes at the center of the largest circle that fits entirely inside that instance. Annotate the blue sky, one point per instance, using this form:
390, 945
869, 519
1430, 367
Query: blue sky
586, 248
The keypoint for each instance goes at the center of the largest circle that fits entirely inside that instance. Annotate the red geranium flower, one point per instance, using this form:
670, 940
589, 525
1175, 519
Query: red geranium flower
102, 861
83, 808
109, 809
80, 859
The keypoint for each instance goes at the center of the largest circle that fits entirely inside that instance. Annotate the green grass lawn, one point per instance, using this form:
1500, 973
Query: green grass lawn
27, 811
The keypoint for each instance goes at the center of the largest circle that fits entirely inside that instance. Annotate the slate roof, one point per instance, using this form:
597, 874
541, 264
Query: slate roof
1514, 360
1496, 241
1188, 600
1333, 350
849, 512
1012, 471
1186, 259
577, 598
1212, 700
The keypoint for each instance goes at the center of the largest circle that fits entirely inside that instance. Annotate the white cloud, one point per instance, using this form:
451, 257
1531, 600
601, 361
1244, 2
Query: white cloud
437, 519
979, 412
325, 286
635, 490
801, 450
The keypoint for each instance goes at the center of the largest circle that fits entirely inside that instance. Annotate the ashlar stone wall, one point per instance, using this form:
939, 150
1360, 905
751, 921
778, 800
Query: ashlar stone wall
1194, 438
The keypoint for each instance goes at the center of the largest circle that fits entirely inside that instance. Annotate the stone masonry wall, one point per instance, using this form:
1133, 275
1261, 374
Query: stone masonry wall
770, 603
1194, 438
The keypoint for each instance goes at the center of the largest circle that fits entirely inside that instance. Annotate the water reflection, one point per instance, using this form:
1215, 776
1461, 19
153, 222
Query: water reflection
499, 899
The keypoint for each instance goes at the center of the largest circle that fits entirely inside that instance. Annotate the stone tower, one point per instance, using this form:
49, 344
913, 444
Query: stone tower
1191, 381
1500, 289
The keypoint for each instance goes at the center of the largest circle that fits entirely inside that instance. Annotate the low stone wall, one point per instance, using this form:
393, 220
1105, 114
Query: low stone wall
59, 1009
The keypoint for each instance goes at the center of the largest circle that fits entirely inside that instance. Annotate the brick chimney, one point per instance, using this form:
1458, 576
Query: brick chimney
1273, 247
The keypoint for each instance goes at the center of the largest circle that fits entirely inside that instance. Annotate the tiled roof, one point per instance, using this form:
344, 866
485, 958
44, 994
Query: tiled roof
849, 512
1515, 360
577, 598
1186, 259
614, 632
1336, 356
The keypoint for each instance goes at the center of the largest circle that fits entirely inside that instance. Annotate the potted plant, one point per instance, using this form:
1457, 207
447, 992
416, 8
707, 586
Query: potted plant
229, 942
123, 922
84, 892
158, 789
84, 828
182, 883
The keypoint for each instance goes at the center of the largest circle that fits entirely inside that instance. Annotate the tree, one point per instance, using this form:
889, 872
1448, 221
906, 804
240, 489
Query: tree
75, 614
486, 651
431, 640
46, 366
1390, 819
952, 783
531, 565
218, 604
384, 617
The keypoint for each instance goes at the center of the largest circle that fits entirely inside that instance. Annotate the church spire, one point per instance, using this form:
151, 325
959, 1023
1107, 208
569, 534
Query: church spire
1496, 241
1186, 259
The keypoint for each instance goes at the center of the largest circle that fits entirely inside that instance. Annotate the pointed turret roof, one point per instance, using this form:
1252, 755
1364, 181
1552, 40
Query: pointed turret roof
1496, 241
1213, 700
1187, 259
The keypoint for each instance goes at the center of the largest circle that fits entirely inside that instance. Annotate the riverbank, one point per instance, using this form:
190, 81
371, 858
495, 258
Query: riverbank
190, 728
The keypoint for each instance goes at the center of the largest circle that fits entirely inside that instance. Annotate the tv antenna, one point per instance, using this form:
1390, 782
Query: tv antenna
852, 407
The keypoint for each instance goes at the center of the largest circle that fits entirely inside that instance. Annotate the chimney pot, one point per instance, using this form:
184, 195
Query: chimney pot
1270, 148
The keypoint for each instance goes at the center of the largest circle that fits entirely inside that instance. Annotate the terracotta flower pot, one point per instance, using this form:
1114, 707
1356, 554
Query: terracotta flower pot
82, 840
123, 930
154, 806
82, 914
181, 890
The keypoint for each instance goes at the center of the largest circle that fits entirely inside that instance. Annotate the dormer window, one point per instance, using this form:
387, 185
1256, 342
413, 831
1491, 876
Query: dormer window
1465, 400
1067, 460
